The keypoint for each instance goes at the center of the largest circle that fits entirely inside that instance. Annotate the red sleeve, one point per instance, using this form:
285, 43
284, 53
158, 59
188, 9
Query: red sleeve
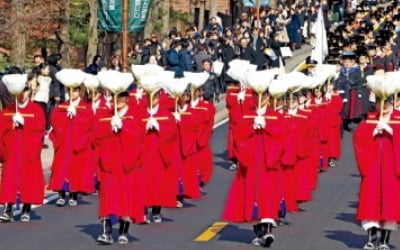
167, 138
364, 147
188, 134
82, 130
132, 138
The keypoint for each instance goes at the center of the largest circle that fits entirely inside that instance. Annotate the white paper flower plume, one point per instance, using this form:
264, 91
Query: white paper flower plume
15, 83
196, 79
238, 68
71, 78
91, 82
259, 80
217, 67
115, 81
176, 86
147, 69
394, 78
294, 80
381, 85
151, 83
277, 88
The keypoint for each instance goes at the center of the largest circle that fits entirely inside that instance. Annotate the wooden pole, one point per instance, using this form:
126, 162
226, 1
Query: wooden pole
258, 23
125, 17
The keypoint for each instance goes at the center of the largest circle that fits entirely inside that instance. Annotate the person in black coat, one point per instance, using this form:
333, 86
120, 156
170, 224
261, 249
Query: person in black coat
185, 58
275, 45
211, 87
258, 46
226, 54
173, 58
94, 67
146, 51
246, 52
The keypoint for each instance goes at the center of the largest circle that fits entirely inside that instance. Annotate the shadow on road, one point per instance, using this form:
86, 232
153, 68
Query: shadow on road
347, 217
223, 164
94, 230
348, 238
235, 234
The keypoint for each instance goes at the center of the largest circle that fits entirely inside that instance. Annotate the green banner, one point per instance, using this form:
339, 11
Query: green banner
110, 15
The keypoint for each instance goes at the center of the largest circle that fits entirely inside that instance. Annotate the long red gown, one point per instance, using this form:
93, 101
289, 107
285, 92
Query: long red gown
159, 161
21, 148
334, 108
188, 169
256, 180
73, 156
122, 179
378, 163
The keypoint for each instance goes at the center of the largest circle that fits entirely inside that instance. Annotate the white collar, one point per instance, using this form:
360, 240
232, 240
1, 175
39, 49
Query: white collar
195, 102
318, 100
262, 110
123, 111
153, 110
75, 102
183, 109
23, 105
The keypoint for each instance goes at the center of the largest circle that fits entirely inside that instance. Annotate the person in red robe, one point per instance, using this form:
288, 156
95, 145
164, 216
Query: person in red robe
297, 131
72, 168
237, 102
206, 111
159, 158
376, 145
188, 171
333, 109
119, 147
254, 194
21, 135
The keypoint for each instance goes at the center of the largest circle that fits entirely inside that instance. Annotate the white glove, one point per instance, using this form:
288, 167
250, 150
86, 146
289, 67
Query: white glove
152, 124
345, 100
177, 116
116, 123
241, 96
138, 96
259, 122
18, 119
382, 125
71, 111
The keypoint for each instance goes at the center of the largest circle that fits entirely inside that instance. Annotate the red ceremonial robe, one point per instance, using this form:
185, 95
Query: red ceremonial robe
138, 104
334, 109
21, 148
378, 162
296, 136
204, 154
188, 170
322, 115
159, 160
73, 156
309, 158
256, 180
122, 180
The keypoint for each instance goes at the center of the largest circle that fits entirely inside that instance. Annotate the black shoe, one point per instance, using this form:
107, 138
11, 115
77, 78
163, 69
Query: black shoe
106, 237
372, 239
384, 240
7, 217
332, 163
123, 232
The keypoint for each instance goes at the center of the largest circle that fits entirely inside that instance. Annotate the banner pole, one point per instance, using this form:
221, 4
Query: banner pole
125, 17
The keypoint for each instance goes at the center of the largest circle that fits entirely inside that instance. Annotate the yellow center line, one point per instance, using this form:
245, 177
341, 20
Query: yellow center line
210, 232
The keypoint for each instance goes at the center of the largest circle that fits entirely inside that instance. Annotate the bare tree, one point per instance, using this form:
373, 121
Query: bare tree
213, 8
165, 19
18, 48
93, 33
63, 33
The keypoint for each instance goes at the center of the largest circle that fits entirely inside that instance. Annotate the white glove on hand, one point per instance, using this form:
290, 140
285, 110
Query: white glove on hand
382, 125
241, 96
116, 123
259, 122
177, 116
345, 100
152, 124
71, 112
18, 119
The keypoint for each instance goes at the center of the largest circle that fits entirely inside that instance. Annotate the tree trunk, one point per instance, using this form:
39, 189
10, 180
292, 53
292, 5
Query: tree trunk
165, 18
213, 8
17, 55
273, 3
64, 34
201, 14
93, 34
153, 17
191, 11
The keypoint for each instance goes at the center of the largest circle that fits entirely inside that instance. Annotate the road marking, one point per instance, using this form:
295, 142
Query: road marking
221, 123
46, 200
210, 232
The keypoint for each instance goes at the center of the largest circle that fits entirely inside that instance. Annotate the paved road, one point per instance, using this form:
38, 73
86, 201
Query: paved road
327, 223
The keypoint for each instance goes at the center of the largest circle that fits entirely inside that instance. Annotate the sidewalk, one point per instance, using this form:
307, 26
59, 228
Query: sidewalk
222, 113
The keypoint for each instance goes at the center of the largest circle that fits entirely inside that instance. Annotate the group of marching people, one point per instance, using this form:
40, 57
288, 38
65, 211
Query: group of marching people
144, 151
280, 144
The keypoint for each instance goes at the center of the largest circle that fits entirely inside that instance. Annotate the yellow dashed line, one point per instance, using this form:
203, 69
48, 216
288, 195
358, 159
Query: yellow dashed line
210, 232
